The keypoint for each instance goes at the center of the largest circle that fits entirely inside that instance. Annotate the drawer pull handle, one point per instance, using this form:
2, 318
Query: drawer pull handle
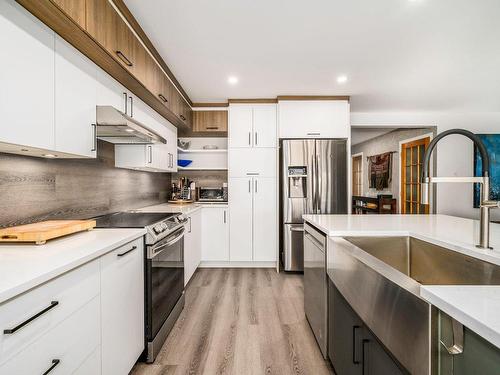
212, 127
124, 58
128, 251
27, 321
55, 362
162, 97
182, 117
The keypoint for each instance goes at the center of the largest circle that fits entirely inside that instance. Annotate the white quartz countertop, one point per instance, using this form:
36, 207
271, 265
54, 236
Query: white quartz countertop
476, 307
186, 209
25, 266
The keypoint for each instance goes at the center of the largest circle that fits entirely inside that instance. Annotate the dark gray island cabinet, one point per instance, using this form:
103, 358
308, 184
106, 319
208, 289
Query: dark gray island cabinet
352, 348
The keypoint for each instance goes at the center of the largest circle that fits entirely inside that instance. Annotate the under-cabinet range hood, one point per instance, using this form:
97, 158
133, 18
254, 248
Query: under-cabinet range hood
115, 126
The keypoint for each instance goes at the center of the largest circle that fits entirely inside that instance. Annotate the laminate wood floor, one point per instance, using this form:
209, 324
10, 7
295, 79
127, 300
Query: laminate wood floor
240, 321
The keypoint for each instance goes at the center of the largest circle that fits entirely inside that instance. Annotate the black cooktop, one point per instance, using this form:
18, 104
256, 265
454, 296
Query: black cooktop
131, 219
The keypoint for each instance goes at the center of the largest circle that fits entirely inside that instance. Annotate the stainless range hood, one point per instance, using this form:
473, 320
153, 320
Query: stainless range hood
115, 126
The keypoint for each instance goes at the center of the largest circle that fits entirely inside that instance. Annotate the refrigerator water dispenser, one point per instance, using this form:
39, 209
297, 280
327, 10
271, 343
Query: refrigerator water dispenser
297, 182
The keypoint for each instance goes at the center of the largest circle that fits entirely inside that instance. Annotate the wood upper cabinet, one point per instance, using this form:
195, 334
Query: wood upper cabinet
106, 26
210, 121
75, 9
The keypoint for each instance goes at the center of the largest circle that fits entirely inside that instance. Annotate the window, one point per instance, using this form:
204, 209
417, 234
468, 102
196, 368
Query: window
412, 155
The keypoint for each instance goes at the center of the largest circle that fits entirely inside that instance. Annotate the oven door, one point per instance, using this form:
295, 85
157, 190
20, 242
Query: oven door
164, 280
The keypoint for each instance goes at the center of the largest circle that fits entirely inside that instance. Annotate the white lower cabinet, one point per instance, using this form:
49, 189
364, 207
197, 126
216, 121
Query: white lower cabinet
192, 245
253, 219
122, 308
215, 234
88, 321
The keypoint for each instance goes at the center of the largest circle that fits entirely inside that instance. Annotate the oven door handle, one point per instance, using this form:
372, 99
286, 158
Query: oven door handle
179, 234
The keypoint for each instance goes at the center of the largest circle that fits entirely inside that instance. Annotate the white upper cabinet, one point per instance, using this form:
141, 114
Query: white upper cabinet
252, 125
314, 119
264, 126
26, 78
153, 158
111, 92
75, 101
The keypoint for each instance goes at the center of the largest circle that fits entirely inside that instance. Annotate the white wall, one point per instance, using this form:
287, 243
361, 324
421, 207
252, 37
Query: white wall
454, 153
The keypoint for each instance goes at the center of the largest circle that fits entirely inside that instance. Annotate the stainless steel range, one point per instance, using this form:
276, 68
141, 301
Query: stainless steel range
163, 271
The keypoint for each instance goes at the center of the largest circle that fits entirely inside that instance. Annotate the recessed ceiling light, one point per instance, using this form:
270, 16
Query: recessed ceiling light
232, 80
49, 156
342, 79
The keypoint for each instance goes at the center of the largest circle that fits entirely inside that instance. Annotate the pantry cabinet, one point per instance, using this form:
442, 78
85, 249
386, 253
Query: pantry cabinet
253, 219
192, 245
252, 126
314, 118
215, 234
243, 162
122, 310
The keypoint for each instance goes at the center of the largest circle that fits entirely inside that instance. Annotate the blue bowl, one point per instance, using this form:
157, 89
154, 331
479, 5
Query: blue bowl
183, 163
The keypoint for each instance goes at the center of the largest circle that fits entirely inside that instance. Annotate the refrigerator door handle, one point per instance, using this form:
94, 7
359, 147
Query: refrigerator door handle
313, 180
318, 185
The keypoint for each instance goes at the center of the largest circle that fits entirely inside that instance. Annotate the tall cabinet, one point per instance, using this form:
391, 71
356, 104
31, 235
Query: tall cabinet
252, 164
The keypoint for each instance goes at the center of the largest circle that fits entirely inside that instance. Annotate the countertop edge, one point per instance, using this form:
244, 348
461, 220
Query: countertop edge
54, 273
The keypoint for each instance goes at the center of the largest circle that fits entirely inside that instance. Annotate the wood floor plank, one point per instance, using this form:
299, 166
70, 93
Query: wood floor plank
241, 322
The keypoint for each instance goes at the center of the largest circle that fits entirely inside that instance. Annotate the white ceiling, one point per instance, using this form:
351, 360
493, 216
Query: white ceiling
399, 55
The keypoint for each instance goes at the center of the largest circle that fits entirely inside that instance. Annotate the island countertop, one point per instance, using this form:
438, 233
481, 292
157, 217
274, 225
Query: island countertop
476, 307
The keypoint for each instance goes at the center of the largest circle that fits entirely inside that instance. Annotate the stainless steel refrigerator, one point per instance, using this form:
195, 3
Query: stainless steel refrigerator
313, 180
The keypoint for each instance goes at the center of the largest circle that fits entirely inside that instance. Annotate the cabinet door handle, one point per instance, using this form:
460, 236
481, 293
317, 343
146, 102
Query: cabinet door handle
249, 186
252, 174
182, 117
354, 359
255, 185
163, 99
131, 106
313, 134
365, 342
10, 331
224, 216
94, 137
55, 362
249, 138
150, 149
126, 103
169, 160
256, 142
126, 252
212, 127
124, 58
189, 231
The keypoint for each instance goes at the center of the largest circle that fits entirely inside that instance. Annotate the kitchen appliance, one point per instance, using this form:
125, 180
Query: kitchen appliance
114, 126
313, 180
163, 271
315, 285
207, 194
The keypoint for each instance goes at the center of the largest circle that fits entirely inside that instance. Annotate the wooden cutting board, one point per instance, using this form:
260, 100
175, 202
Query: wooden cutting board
43, 231
181, 201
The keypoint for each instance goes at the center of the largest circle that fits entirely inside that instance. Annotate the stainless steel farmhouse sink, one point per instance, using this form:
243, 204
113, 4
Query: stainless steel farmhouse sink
381, 277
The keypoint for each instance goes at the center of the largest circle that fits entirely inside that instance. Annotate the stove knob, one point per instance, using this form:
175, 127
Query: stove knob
158, 229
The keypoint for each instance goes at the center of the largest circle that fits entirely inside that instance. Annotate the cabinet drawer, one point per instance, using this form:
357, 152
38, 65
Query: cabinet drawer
70, 343
91, 365
71, 291
244, 162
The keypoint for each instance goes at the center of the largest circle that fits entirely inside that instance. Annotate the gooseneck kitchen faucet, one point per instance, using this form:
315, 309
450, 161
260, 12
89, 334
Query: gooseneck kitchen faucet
484, 180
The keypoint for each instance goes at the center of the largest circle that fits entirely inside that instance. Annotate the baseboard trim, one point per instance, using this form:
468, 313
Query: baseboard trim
207, 264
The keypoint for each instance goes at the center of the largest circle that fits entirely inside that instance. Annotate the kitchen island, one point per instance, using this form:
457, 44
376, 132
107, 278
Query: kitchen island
474, 306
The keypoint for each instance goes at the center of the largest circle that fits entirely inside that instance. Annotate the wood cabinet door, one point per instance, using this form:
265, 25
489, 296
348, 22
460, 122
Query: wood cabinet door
265, 222
240, 192
106, 26
210, 121
74, 9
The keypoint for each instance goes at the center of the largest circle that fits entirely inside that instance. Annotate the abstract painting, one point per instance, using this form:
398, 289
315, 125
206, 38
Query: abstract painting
492, 143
